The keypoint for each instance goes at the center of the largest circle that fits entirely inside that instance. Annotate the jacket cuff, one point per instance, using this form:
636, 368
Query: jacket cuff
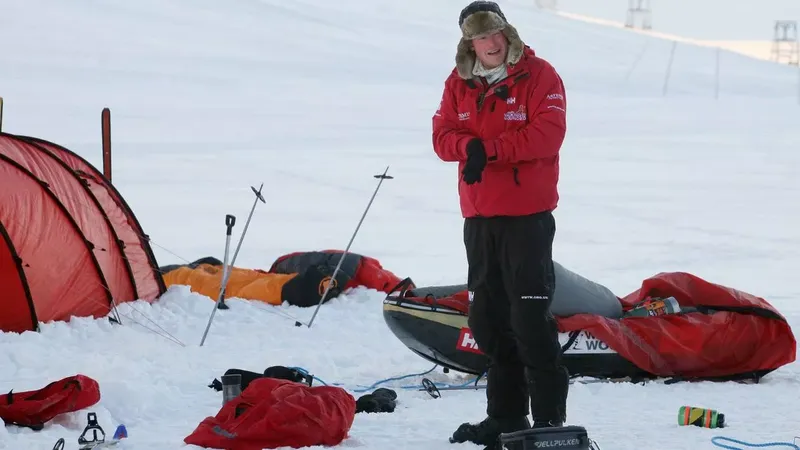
492, 150
462, 148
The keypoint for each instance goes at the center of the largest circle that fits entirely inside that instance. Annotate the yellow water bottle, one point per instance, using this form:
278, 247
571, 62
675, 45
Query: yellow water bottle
700, 417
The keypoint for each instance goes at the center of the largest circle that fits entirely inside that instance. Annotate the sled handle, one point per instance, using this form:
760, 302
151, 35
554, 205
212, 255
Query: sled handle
94, 427
403, 287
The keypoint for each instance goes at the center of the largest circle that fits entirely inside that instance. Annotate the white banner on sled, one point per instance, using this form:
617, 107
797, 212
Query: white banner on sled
584, 343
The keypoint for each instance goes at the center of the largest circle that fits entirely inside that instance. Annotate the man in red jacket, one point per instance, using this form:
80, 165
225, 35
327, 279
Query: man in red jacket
502, 117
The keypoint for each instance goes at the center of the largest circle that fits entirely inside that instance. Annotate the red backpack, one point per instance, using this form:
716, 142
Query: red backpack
33, 408
272, 413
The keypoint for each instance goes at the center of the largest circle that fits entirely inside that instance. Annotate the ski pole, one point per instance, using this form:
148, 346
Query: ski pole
229, 222
222, 304
381, 177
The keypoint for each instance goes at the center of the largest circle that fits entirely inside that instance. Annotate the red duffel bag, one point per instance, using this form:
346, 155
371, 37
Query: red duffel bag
33, 408
272, 413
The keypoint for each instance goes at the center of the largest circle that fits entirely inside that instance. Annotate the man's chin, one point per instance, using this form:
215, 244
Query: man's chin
491, 63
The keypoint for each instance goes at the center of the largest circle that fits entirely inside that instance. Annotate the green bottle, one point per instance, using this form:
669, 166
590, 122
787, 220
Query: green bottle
700, 417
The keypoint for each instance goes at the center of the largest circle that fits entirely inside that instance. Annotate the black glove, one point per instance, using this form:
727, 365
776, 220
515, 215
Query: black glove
476, 162
382, 400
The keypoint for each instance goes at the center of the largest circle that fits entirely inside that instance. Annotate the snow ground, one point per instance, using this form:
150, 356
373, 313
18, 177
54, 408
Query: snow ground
312, 98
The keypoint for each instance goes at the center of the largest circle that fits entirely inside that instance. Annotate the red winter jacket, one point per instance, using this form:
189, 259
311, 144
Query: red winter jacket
522, 130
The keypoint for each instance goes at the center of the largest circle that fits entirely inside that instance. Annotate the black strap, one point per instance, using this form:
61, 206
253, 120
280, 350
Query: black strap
573, 335
403, 286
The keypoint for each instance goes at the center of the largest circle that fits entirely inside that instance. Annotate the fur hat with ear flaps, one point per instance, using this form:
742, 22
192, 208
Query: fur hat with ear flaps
481, 18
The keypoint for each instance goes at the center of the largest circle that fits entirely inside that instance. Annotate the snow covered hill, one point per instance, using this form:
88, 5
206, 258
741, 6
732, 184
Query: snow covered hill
314, 97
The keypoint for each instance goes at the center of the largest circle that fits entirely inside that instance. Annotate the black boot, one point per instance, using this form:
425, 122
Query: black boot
488, 431
541, 424
548, 389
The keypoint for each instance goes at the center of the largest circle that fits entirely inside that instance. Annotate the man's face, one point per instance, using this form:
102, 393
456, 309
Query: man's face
491, 49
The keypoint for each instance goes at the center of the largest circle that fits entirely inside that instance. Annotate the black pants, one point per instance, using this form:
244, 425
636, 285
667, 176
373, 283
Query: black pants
511, 281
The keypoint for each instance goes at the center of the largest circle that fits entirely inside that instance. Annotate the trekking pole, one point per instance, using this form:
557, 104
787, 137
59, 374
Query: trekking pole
222, 304
227, 268
381, 177
247, 223
229, 222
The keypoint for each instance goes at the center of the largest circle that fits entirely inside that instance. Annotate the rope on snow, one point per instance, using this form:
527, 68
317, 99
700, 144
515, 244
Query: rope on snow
363, 388
715, 440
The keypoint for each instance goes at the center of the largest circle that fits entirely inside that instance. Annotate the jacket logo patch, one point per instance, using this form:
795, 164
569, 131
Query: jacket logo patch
557, 97
511, 100
463, 116
518, 115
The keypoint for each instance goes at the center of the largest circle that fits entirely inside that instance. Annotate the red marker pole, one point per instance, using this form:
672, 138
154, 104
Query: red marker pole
106, 130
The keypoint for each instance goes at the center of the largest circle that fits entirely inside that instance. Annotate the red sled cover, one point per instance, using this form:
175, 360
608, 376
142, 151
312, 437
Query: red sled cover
33, 408
272, 413
744, 334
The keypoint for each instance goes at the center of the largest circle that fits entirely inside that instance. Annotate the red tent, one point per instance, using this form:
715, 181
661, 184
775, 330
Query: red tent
69, 244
